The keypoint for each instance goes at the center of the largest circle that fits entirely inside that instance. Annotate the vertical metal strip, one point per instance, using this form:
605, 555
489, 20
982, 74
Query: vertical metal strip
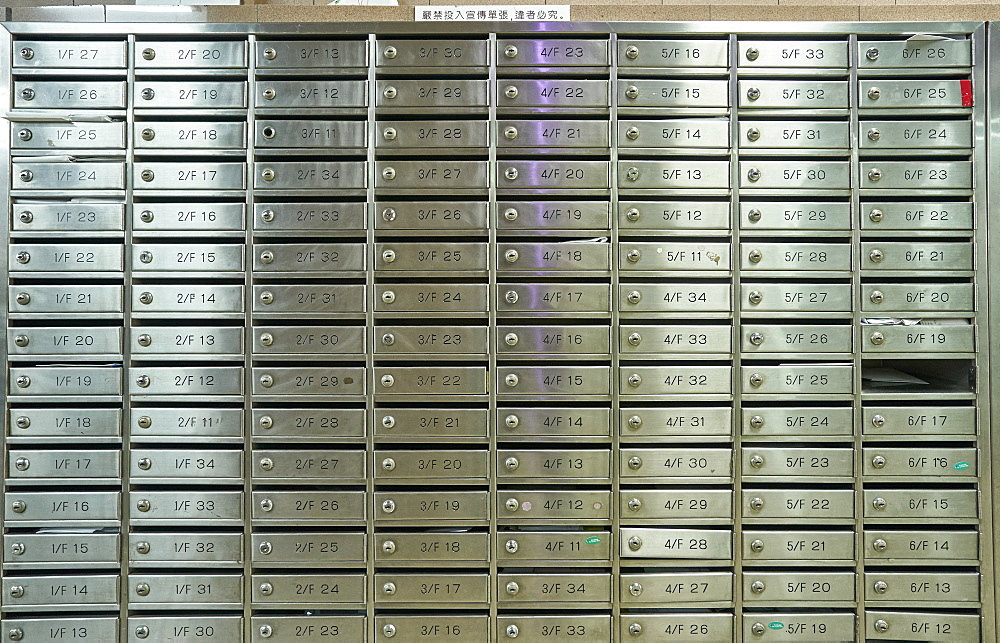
492, 294
736, 379
248, 343
6, 91
126, 423
615, 351
370, 464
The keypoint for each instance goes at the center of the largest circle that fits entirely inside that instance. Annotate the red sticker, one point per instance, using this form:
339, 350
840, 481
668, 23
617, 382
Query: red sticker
966, 86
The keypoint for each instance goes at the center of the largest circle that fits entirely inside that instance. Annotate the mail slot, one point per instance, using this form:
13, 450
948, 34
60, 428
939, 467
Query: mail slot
945, 547
914, 94
938, 587
69, 54
546, 52
553, 134
555, 340
187, 258
307, 629
345, 135
67, 135
667, 589
275, 219
33, 341
576, 506
186, 423
920, 462
64, 422
798, 380
553, 464
407, 548
695, 95
907, 505
165, 94
642, 299
307, 300
40, 550
430, 424
187, 340
522, 546
552, 589
443, 55
796, 296
416, 507
447, 176
565, 175
64, 299
187, 466
310, 175
64, 380
186, 381
83, 175
431, 137
93, 465
700, 175
701, 506
675, 256
170, 549
58, 94
825, 626
684, 544
540, 258
798, 547
791, 587
674, 339
914, 52
163, 629
67, 592
903, 175
180, 591
311, 95
714, 626
922, 626
760, 461
766, 256
696, 134
431, 380
431, 217
315, 424
555, 629
548, 299
673, 215
308, 549
438, 96
793, 94
925, 338
71, 508
554, 421
831, 135
191, 54
809, 421
331, 341
675, 380
919, 420
314, 508
672, 53
671, 465
341, 381
304, 257
430, 257
663, 424
553, 380
36, 630
789, 338
187, 217
311, 54
195, 135
924, 215
67, 217
916, 135
810, 175
806, 53
187, 298
795, 215
187, 508
926, 255
189, 176
431, 627
65, 258
799, 506
552, 96
438, 465
454, 589
440, 299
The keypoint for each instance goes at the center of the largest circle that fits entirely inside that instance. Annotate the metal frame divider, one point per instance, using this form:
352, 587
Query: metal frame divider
492, 295
370, 464
248, 343
616, 622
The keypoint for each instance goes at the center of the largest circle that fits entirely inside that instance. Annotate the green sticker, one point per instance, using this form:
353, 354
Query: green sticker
961, 465
776, 625
593, 540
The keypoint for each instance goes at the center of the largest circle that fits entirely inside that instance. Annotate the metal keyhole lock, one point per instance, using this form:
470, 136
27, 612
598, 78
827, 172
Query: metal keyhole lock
631, 92
266, 589
148, 53
757, 546
756, 504
270, 53
511, 504
753, 134
634, 504
267, 381
756, 461
26, 217
266, 339
389, 133
511, 463
268, 93
512, 588
511, 380
142, 547
27, 53
22, 464
142, 589
879, 504
635, 463
633, 297
147, 134
28, 93
634, 380
874, 134
266, 256
511, 256
145, 464
756, 339
22, 422
511, 546
388, 339
752, 53
23, 381
880, 587
24, 134
634, 422
389, 588
872, 53
878, 461
147, 175
635, 543
388, 630
267, 174
388, 464
511, 296
512, 631
388, 296
510, 91
510, 173
874, 93
146, 216
876, 297
757, 587
387, 381
266, 297
633, 255
879, 545
755, 256
266, 422
389, 52
21, 340
632, 174
147, 94
874, 174
146, 256
631, 52
634, 629
635, 588
17, 549
512, 421
388, 506
755, 297
389, 173
756, 379
26, 176
756, 422
875, 215
878, 421
876, 256
877, 338
265, 631
268, 132
143, 381
754, 215
266, 464
753, 174
510, 133
753, 93
141, 631
758, 629
632, 133
389, 92
510, 339
881, 626
510, 51
389, 547
635, 339
510, 214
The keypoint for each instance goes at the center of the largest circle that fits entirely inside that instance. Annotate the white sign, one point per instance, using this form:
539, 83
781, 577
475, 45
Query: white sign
488, 13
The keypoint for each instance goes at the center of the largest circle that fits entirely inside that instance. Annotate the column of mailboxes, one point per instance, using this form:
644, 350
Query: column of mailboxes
431, 345
186, 340
553, 339
63, 429
675, 339
921, 547
308, 464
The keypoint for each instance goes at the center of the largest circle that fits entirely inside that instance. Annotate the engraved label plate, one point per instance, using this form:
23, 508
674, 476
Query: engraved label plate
164, 629
553, 299
431, 217
331, 218
310, 175
51, 464
715, 627
450, 588
519, 546
67, 135
926, 255
554, 380
674, 339
430, 424
644, 506
811, 421
308, 381
175, 591
556, 629
309, 134
584, 464
812, 175
574, 175
921, 587
41, 550
59, 94
308, 549
908, 505
191, 54
186, 466
793, 94
925, 462
186, 298
673, 215
309, 340
66, 592
539, 258
922, 626
193, 508
543, 52
307, 629
795, 256
315, 466
438, 257
672, 53
186, 423
669, 464
64, 422
178, 550
782, 587
919, 420
760, 461
904, 175
187, 217
554, 421
64, 341
187, 340
762, 53
917, 216
654, 423
309, 300
432, 135
69, 54
674, 175
558, 340
311, 54
914, 53
833, 135
65, 507
63, 380
935, 135
675, 380
431, 298
674, 256
794, 379
797, 547
910, 94
93, 630
306, 257
67, 217
309, 424
189, 94
186, 134
791, 626
436, 95
795, 505
309, 507
702, 133
796, 297
431, 340
69, 258
29, 175
554, 588
920, 547
431, 380
393, 53
796, 339
187, 258
544, 96
925, 338
189, 176
687, 544
431, 506
786, 215
431, 627
692, 94
441, 547
552, 134
514, 506
311, 94
645, 298
186, 381
682, 587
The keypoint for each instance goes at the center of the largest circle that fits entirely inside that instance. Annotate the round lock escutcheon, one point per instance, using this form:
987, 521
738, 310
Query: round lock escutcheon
510, 51
511, 421
874, 175
878, 462
510, 339
26, 176
143, 381
145, 463
266, 422
268, 132
18, 506
511, 463
876, 256
755, 256
635, 543
265, 548
267, 174
388, 339
22, 464
266, 297
631, 92
17, 549
879, 504
758, 629
633, 297
388, 464
872, 53
267, 381
147, 134
389, 52
634, 422
632, 174
756, 461
143, 547
388, 296
633, 255
23, 298
511, 546
265, 631
632, 214
634, 339
512, 631
27, 93
266, 589
27, 53
388, 421
634, 504
143, 505
510, 173
756, 422
511, 380
756, 380
142, 589
512, 588
755, 297
389, 92
753, 93
510, 296
146, 256
635, 463
880, 587
146, 216
148, 53
635, 588
753, 134
266, 464
510, 214
268, 93
880, 545
389, 173
389, 214
147, 175
634, 380
757, 587
510, 91
752, 53
757, 545
756, 339
22, 381
874, 134
511, 256
877, 338
266, 339
270, 53
754, 215
632, 133
388, 630
389, 588
756, 504
634, 629
874, 93
141, 631
388, 255
511, 504
26, 217
24, 134
388, 506
266, 504
388, 380
876, 297
144, 421
878, 421
753, 174
389, 547
875, 215
631, 52
21, 340
881, 626
510, 133
22, 422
